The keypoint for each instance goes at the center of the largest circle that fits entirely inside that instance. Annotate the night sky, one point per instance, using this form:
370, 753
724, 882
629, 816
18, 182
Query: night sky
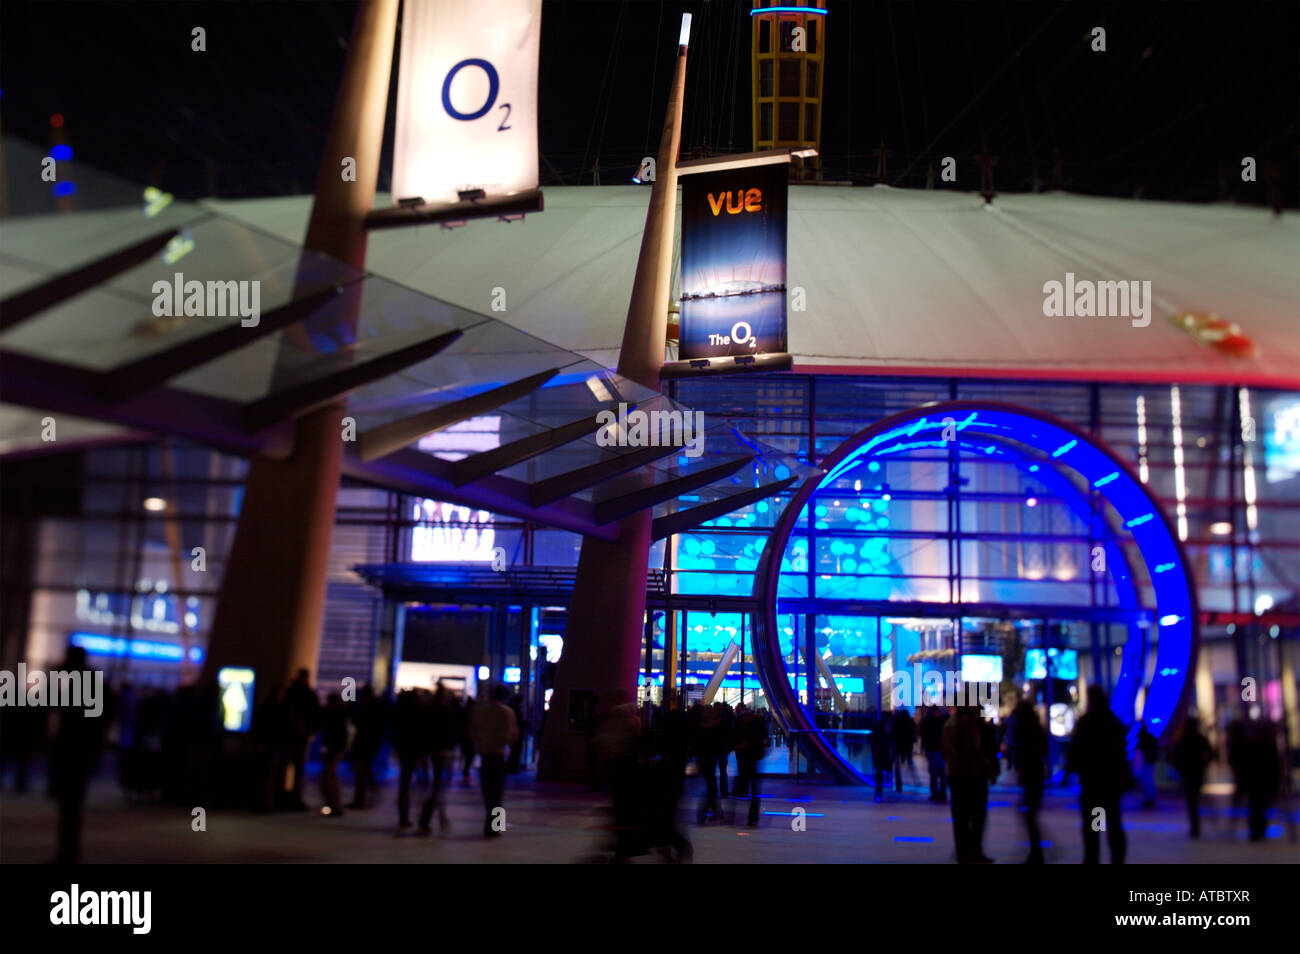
1182, 93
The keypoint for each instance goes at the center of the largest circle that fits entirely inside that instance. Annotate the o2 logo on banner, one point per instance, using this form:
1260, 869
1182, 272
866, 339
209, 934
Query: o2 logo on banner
733, 263
467, 99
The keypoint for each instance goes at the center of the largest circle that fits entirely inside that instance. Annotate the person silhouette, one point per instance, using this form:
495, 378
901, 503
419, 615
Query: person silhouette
1098, 756
1029, 742
73, 759
1191, 756
971, 767
493, 729
443, 741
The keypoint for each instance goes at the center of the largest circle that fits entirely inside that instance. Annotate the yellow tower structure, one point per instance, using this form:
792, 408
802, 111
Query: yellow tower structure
789, 43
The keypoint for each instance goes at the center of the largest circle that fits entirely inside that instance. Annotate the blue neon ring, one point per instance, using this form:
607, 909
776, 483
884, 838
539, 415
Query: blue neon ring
1105, 471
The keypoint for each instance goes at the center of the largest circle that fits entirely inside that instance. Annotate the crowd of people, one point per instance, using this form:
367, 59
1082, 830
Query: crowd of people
966, 753
642, 756
173, 746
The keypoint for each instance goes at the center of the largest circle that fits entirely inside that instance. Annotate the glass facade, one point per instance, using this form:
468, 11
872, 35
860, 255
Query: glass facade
1223, 461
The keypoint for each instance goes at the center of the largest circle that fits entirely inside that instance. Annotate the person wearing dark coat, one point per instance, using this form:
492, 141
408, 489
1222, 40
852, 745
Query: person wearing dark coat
465, 714
1191, 756
333, 744
1262, 774
971, 767
1149, 749
302, 708
1029, 742
444, 738
74, 757
1098, 755
903, 731
710, 745
750, 736
367, 715
411, 742
882, 752
932, 743
728, 717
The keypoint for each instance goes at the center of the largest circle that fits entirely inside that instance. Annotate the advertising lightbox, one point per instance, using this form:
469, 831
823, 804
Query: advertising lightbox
466, 99
733, 294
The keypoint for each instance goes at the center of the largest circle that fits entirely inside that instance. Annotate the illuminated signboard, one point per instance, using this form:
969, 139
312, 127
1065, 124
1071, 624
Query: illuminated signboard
236, 691
1282, 439
733, 262
1065, 663
152, 609
979, 668
96, 644
450, 533
466, 99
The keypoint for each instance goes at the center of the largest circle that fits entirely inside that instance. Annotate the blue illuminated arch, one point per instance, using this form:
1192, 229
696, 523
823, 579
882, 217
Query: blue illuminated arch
1067, 447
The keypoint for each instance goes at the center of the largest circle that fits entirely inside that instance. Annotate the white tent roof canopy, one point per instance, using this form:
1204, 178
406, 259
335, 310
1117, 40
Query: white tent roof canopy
895, 281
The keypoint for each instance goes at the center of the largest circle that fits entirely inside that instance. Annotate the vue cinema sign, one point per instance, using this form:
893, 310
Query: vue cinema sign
733, 294
750, 200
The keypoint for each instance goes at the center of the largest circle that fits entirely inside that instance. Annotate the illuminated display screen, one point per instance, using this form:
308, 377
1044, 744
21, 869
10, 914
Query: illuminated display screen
981, 668
450, 533
1065, 663
733, 262
1282, 439
98, 645
235, 686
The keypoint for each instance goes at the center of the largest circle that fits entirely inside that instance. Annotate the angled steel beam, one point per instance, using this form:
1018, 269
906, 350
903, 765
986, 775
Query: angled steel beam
390, 437
412, 471
617, 507
274, 408
49, 293
58, 388
563, 485
488, 462
152, 370
684, 520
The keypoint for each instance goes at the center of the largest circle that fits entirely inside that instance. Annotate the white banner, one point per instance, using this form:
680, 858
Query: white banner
467, 98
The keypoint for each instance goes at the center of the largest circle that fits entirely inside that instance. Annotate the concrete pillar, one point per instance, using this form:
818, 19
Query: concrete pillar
606, 623
272, 600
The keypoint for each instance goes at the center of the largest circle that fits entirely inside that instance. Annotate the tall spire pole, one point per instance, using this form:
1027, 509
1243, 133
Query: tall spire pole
606, 622
272, 602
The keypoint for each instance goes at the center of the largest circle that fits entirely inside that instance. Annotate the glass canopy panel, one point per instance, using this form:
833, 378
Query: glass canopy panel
243, 275
48, 245
114, 324
21, 429
488, 355
389, 317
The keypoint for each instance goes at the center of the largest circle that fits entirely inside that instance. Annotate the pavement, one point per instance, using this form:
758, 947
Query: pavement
804, 821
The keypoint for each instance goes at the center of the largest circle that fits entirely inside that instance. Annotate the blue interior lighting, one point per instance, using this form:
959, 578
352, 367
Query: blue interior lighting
1012, 428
